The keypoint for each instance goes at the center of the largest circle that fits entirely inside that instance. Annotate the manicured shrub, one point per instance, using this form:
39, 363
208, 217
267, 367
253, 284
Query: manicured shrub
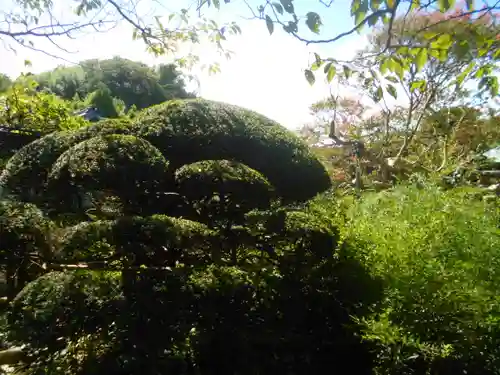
223, 191
175, 280
188, 131
25, 174
127, 166
24, 243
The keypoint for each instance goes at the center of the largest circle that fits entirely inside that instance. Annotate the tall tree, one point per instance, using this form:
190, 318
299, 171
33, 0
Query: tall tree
132, 82
427, 85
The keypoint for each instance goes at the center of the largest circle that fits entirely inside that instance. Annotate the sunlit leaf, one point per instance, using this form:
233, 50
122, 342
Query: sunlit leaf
421, 59
375, 4
420, 85
445, 5
318, 62
415, 4
330, 71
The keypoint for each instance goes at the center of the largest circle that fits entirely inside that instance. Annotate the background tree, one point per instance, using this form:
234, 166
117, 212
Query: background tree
132, 82
429, 83
5, 82
103, 101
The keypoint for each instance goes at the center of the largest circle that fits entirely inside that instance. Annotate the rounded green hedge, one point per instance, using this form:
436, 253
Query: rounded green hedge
25, 243
62, 304
224, 188
86, 241
25, 174
187, 131
156, 240
128, 166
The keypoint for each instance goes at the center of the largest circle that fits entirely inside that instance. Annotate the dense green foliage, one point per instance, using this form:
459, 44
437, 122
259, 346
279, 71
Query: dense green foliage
134, 83
215, 185
437, 254
201, 252
255, 288
24, 108
190, 238
24, 233
220, 131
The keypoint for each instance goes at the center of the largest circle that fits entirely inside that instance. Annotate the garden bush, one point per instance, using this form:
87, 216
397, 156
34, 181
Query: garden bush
24, 241
216, 261
437, 253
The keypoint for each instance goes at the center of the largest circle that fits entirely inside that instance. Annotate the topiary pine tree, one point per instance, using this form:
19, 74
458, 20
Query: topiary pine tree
198, 251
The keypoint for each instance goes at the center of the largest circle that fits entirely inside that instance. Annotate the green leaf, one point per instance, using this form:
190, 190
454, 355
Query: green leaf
287, 5
27, 63
481, 72
461, 77
415, 4
470, 5
392, 91
317, 63
445, 5
389, 3
392, 79
347, 72
377, 96
375, 4
269, 24
493, 85
310, 76
384, 66
417, 85
462, 49
330, 71
355, 6
482, 52
421, 59
372, 20
217, 4
313, 22
278, 7
317, 58
360, 11
444, 41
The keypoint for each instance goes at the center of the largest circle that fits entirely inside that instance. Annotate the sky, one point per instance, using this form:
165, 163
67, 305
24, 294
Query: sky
266, 73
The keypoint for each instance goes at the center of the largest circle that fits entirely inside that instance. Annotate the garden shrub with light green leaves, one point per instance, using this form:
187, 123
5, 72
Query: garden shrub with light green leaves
200, 249
438, 254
